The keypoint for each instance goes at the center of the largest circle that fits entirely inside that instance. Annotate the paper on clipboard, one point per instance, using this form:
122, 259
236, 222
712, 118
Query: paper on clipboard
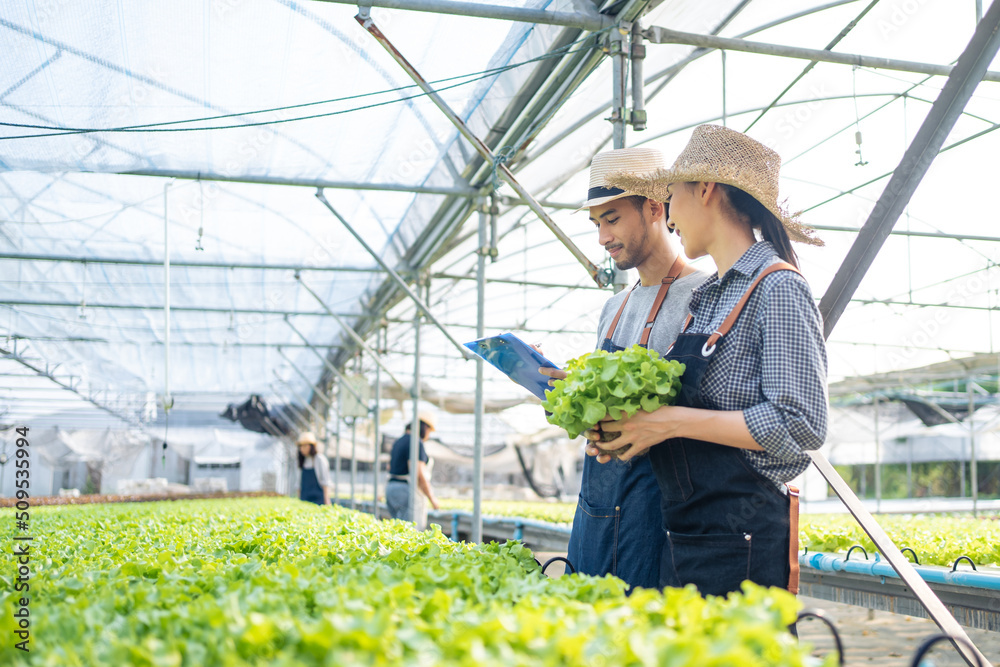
516, 359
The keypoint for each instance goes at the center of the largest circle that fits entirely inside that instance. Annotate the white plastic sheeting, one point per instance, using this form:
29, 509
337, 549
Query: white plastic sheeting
254, 72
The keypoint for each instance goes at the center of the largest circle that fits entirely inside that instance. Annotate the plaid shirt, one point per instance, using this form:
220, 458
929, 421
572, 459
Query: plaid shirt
771, 364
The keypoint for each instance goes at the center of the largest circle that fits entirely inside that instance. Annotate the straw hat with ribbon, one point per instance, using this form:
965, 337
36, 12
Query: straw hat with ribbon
716, 154
639, 160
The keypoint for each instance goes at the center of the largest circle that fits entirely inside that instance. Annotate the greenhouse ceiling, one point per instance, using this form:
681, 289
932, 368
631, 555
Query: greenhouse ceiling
271, 144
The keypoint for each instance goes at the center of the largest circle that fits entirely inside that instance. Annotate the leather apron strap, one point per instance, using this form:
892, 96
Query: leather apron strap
730, 320
793, 539
661, 295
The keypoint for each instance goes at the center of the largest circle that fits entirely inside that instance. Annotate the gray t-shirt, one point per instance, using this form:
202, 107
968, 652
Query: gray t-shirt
668, 322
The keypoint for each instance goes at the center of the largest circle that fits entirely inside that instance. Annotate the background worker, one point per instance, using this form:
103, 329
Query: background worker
617, 527
397, 489
314, 480
753, 396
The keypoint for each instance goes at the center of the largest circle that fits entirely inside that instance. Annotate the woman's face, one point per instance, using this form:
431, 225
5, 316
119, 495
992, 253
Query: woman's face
304, 448
685, 216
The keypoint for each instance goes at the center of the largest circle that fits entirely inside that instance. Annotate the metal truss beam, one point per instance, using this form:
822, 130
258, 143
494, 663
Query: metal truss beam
27, 257
659, 35
458, 190
586, 20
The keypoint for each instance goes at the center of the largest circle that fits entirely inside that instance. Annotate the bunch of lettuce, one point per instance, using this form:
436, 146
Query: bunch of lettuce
602, 383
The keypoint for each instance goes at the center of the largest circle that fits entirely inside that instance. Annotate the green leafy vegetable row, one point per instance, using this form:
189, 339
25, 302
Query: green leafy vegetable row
601, 384
280, 582
937, 540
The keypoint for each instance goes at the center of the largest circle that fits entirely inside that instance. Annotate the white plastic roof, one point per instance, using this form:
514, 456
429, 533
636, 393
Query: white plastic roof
294, 93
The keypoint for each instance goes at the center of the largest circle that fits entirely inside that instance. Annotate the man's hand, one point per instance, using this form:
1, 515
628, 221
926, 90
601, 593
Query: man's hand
554, 373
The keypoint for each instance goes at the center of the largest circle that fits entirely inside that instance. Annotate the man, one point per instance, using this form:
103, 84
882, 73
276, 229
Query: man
397, 489
618, 527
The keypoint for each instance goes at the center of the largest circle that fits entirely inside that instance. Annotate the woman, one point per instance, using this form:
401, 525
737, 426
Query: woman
315, 471
754, 397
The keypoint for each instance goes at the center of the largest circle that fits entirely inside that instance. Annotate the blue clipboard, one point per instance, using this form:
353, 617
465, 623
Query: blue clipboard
516, 359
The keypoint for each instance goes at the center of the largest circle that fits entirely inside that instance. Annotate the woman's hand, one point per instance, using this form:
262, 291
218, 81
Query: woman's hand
641, 431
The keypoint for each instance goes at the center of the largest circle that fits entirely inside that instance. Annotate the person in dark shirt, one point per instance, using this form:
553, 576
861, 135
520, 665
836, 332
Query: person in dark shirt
397, 490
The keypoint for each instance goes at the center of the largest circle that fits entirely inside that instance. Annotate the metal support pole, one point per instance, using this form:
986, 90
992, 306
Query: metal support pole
956, 93
481, 148
477, 451
379, 349
619, 65
351, 332
330, 367
302, 375
638, 54
878, 462
724, 115
336, 475
167, 401
589, 20
354, 458
415, 422
659, 35
465, 352
973, 468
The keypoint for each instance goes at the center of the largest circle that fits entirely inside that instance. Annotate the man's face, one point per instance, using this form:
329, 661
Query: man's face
623, 230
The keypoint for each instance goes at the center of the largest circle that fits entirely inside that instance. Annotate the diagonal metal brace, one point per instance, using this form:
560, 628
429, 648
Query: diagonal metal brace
302, 375
466, 353
351, 332
595, 272
330, 367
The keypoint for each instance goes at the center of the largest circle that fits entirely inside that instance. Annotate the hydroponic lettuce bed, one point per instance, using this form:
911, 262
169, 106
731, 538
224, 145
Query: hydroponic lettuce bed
273, 581
937, 540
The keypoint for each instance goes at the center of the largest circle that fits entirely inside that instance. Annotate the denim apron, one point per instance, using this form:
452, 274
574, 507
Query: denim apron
616, 529
723, 521
309, 488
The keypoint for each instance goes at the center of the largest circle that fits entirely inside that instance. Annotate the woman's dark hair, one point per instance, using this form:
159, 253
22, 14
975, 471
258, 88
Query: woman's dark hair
424, 429
312, 452
771, 229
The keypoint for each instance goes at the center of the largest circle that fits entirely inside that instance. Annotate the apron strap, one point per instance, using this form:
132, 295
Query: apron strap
730, 320
793, 540
675, 271
621, 309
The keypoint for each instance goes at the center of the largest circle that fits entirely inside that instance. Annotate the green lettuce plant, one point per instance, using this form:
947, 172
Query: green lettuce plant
615, 384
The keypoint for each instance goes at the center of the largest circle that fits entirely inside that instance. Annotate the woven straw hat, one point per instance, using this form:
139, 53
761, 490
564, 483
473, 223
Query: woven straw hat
716, 154
306, 438
428, 418
639, 161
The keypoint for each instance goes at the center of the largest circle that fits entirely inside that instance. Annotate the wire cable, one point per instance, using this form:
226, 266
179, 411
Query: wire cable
166, 126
